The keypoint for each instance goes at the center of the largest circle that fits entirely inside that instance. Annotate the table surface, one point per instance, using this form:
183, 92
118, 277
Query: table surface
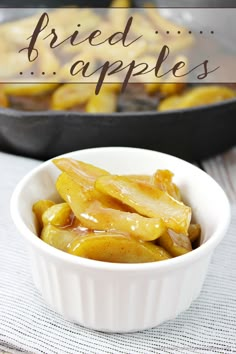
209, 326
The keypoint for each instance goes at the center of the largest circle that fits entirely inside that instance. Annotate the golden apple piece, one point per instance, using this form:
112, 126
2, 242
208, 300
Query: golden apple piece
139, 178
194, 232
152, 88
25, 89
58, 238
120, 3
97, 217
175, 244
205, 95
147, 200
112, 86
73, 193
58, 215
169, 103
3, 98
103, 216
109, 247
39, 208
70, 95
79, 198
104, 102
163, 180
170, 89
85, 175
80, 171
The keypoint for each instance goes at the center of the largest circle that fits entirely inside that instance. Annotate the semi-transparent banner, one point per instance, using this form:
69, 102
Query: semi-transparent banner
118, 45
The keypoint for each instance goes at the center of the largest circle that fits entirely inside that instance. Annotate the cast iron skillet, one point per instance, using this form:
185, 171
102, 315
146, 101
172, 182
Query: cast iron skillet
192, 134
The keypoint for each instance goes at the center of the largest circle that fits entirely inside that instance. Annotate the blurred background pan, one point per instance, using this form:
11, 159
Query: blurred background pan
192, 134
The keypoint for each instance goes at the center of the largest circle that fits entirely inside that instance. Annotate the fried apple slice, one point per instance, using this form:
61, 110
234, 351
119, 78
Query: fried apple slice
108, 247
105, 102
74, 194
175, 244
80, 171
82, 195
39, 208
152, 88
163, 180
194, 232
3, 98
94, 215
31, 89
85, 175
147, 200
120, 3
100, 218
69, 95
170, 89
139, 178
58, 238
58, 215
204, 95
169, 103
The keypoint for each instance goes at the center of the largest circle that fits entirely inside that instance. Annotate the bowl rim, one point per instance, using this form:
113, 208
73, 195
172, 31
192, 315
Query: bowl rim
59, 255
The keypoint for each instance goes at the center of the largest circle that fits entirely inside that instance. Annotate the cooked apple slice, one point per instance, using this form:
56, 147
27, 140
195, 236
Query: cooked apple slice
70, 95
194, 232
108, 247
73, 193
147, 200
120, 3
105, 102
175, 244
140, 227
58, 238
80, 171
39, 208
94, 215
84, 194
169, 103
163, 180
85, 175
4, 102
205, 95
58, 215
32, 89
139, 178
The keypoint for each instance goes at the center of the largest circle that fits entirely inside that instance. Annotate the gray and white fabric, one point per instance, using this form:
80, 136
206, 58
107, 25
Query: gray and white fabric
27, 325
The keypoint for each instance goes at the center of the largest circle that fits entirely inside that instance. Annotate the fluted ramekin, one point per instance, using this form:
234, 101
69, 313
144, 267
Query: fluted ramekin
122, 297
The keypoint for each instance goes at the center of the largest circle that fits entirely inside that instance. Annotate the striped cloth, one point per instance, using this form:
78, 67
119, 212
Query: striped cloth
28, 326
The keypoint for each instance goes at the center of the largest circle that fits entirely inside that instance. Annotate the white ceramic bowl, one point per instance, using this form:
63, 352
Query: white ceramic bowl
122, 297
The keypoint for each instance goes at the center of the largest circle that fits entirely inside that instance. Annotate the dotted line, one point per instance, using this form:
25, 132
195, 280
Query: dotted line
42, 73
190, 32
